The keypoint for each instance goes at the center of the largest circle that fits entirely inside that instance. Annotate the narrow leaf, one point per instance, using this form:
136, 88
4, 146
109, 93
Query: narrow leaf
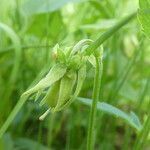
131, 118
54, 75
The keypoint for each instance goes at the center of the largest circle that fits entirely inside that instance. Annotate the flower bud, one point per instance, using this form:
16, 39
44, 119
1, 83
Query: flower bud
75, 62
65, 79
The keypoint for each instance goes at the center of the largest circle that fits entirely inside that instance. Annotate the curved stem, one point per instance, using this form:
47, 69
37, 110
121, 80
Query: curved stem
95, 97
109, 33
19, 105
12, 115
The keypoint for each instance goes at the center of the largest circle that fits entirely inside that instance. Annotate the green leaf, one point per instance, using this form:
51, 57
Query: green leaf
135, 119
54, 75
144, 16
6, 143
131, 118
50, 25
32, 7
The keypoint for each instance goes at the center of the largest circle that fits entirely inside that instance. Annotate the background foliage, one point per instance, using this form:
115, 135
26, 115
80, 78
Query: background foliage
28, 31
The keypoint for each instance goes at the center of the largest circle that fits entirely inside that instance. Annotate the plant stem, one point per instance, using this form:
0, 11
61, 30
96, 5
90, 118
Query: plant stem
12, 115
142, 136
109, 33
95, 97
19, 105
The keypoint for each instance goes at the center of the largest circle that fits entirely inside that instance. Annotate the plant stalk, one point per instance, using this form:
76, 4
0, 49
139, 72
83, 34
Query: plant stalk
142, 136
109, 33
93, 110
12, 115
18, 106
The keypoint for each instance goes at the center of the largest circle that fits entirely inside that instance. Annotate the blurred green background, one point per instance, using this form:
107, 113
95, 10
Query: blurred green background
28, 31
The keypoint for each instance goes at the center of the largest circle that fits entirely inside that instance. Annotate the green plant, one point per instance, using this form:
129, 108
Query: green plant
69, 66
58, 72
56, 76
142, 137
95, 98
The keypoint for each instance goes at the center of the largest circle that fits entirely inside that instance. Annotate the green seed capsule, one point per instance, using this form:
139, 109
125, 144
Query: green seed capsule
51, 97
66, 87
81, 75
69, 70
